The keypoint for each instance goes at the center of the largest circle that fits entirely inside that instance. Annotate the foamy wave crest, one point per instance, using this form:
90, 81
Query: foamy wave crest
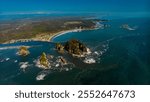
101, 48
89, 60
24, 65
97, 52
10, 47
127, 27
15, 61
4, 60
16, 47
42, 75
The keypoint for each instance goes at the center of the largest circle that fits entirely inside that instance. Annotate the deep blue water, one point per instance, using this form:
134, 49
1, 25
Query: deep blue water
122, 57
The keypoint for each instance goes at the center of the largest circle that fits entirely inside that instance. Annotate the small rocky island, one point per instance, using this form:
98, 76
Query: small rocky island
44, 61
60, 47
23, 51
73, 47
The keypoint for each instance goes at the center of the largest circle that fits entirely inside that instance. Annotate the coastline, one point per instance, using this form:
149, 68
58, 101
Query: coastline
48, 37
62, 33
66, 32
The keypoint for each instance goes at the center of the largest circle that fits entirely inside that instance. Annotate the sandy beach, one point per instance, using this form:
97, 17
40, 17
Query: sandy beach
47, 37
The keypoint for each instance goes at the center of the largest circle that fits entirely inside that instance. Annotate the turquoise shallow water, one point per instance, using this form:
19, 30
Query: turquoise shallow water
122, 57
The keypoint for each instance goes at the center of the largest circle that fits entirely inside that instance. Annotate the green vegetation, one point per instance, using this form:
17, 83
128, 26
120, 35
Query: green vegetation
23, 51
60, 47
73, 47
43, 60
27, 29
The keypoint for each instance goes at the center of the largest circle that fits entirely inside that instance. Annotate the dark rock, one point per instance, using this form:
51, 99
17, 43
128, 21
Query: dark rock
75, 47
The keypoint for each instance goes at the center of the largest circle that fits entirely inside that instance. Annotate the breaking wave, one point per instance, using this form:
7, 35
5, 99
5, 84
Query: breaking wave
41, 75
16, 47
24, 65
4, 60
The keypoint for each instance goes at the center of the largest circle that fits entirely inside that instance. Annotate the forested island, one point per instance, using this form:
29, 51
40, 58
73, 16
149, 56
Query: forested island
73, 47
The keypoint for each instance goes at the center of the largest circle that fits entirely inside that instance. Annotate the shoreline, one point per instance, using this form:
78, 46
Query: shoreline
64, 32
48, 37
71, 31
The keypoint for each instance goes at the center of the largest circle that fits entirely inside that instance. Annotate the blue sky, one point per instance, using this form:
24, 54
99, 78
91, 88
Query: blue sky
75, 6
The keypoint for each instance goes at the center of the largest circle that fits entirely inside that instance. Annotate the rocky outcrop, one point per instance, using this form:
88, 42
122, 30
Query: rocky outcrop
44, 61
62, 60
60, 47
74, 47
23, 51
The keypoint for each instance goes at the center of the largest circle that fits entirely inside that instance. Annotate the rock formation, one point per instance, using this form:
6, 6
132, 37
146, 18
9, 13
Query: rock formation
43, 60
23, 51
60, 47
74, 47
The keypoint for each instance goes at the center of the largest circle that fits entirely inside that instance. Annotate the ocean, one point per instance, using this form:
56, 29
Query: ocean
121, 55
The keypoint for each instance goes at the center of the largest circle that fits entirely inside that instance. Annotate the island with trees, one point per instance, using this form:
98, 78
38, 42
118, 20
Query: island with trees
23, 51
43, 61
73, 47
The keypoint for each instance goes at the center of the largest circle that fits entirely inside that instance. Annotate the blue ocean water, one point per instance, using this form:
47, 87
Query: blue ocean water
122, 57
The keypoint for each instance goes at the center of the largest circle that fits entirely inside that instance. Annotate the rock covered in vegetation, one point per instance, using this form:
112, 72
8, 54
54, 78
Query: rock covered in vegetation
23, 51
44, 61
74, 47
60, 47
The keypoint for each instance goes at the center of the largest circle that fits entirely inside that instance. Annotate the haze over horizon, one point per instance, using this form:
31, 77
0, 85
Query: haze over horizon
75, 5
114, 7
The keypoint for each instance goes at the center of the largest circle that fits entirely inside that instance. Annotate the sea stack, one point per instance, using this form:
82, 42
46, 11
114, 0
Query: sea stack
44, 61
60, 47
23, 51
73, 47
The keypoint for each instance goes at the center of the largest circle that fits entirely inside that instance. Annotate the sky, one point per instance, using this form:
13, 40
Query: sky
74, 6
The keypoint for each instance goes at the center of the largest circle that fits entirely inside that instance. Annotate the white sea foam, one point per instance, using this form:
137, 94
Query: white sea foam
7, 59
16, 61
2, 60
24, 65
126, 26
96, 53
15, 47
88, 51
67, 69
57, 65
89, 60
11, 47
41, 76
